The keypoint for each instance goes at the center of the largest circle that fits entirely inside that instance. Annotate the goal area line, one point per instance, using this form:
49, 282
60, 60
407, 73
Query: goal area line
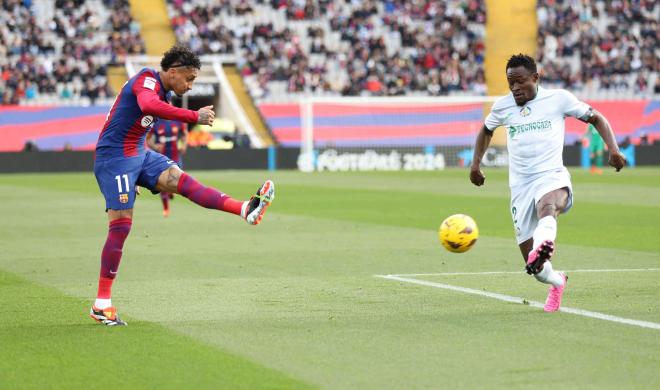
407, 278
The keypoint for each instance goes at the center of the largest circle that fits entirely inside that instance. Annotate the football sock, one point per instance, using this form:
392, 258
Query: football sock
546, 229
110, 258
549, 276
165, 197
102, 303
207, 196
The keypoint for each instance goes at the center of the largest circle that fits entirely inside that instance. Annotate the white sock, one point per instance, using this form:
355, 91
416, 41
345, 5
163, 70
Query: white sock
102, 303
549, 276
546, 229
244, 209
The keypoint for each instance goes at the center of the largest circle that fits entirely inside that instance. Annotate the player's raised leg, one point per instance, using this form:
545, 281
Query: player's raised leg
175, 180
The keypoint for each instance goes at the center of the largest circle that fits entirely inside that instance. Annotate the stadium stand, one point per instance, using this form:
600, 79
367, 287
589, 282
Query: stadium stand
57, 51
600, 48
343, 48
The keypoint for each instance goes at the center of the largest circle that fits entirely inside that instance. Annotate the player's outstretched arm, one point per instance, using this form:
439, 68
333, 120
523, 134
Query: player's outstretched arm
151, 104
602, 125
481, 144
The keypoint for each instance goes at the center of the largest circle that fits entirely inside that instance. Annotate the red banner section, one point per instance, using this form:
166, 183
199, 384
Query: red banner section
77, 128
362, 125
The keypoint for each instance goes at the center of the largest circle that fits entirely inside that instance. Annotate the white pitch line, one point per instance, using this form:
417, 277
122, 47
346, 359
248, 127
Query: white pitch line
522, 272
508, 298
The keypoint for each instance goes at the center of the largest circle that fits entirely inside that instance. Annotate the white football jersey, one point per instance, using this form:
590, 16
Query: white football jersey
535, 131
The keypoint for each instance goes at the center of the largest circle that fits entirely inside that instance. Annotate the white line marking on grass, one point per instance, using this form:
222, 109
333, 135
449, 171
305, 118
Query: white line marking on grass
522, 271
508, 298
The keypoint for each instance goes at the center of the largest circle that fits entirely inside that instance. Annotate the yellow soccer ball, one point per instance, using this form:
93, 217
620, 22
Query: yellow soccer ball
458, 233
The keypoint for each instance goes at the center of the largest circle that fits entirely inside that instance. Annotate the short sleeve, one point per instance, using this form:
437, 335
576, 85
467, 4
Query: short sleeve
572, 106
493, 121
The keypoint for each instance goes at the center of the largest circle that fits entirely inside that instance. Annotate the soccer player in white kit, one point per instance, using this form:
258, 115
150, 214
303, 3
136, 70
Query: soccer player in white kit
540, 184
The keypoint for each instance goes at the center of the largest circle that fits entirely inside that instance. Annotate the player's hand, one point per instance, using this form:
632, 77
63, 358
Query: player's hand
206, 115
476, 176
617, 160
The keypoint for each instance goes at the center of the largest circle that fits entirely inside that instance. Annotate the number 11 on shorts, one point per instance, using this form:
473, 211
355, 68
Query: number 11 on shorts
118, 178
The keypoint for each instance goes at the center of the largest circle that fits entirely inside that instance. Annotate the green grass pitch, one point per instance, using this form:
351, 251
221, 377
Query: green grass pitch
294, 303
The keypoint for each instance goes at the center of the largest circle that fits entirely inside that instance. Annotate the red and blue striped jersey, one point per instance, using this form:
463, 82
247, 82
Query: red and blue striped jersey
142, 100
168, 133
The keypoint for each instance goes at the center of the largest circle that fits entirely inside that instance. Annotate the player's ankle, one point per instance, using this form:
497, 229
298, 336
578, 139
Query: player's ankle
102, 303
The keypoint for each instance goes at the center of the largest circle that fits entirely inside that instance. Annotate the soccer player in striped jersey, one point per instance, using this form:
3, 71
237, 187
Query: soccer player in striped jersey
122, 163
540, 184
169, 138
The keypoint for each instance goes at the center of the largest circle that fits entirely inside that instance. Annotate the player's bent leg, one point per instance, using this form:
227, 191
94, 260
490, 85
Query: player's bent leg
548, 209
198, 193
553, 203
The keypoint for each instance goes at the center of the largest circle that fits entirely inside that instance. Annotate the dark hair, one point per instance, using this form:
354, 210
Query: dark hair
522, 60
178, 56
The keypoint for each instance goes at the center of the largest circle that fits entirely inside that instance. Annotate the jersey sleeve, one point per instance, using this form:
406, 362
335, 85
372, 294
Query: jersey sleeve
493, 121
572, 106
146, 89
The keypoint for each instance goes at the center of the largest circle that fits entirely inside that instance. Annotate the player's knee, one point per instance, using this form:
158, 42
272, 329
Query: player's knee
169, 179
174, 172
547, 209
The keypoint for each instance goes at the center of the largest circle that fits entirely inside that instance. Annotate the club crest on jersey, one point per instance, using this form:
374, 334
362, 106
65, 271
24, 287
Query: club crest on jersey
525, 111
123, 198
147, 121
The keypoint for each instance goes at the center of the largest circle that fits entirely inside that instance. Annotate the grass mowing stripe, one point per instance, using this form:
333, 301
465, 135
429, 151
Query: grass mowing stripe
48, 341
522, 301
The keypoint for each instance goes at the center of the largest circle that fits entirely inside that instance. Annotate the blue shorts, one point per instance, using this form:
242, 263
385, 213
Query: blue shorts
117, 177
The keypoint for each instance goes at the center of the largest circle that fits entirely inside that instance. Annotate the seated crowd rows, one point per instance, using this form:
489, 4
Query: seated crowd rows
62, 48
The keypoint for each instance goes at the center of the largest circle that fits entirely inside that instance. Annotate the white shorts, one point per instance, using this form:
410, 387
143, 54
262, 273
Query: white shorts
525, 196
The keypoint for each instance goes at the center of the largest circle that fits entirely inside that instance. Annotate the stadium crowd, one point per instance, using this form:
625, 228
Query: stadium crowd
600, 45
61, 48
393, 47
